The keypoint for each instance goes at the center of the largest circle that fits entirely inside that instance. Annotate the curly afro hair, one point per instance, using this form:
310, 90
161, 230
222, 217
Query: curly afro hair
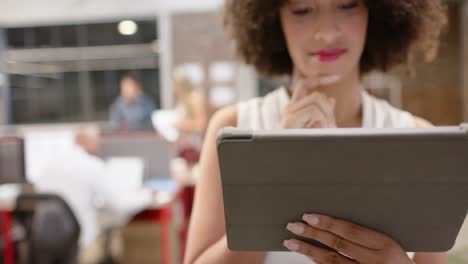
396, 29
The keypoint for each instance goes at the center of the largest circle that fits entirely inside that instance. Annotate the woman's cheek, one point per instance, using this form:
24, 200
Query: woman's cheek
356, 30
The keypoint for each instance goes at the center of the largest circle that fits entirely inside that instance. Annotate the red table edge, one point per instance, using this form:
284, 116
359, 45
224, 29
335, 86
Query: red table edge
8, 249
163, 215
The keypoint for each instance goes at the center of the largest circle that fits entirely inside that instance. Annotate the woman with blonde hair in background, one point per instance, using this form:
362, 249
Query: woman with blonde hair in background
193, 117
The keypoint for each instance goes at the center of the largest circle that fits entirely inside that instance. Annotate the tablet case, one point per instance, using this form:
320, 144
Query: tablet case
411, 184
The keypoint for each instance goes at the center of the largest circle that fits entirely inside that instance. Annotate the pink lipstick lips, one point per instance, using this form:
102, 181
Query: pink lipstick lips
329, 55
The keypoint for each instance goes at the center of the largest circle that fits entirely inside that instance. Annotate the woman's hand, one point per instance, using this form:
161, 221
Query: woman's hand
309, 109
355, 244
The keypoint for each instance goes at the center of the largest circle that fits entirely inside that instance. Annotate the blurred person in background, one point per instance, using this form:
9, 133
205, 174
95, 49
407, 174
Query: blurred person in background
190, 105
324, 47
81, 178
133, 109
192, 115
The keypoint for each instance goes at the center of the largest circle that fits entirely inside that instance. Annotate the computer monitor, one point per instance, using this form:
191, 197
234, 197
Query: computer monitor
152, 149
12, 168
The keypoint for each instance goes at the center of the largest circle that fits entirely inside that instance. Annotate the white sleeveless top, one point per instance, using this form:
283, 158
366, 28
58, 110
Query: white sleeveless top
265, 113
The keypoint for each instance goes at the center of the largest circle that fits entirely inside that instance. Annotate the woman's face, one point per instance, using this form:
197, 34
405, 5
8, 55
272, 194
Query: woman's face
330, 31
130, 89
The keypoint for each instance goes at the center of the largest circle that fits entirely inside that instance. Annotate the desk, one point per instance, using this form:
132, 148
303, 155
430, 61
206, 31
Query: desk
186, 195
7, 204
8, 250
169, 208
162, 212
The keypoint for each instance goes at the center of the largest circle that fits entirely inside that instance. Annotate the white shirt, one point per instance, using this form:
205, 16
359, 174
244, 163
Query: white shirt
265, 113
82, 180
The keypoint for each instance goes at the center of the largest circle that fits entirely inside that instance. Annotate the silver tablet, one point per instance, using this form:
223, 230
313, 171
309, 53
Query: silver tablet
411, 184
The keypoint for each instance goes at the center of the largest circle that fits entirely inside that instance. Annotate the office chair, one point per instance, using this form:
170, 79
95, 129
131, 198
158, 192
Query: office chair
51, 227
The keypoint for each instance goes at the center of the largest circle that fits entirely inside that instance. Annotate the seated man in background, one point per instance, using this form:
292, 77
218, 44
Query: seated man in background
133, 109
80, 177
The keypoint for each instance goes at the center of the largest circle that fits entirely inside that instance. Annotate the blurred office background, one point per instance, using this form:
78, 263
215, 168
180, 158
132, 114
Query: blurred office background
61, 63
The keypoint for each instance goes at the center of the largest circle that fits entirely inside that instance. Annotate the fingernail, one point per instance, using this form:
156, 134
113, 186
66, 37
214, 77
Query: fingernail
329, 80
291, 245
311, 219
296, 228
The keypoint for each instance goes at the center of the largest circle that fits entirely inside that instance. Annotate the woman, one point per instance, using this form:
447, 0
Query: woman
325, 46
190, 105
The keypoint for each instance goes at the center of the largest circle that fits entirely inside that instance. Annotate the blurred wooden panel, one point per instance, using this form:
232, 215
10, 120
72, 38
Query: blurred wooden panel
435, 93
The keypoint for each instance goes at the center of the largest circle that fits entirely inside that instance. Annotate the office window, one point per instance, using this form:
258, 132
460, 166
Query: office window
16, 37
68, 36
43, 37
71, 73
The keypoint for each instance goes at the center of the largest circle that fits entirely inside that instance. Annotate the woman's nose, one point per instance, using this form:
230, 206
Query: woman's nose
327, 29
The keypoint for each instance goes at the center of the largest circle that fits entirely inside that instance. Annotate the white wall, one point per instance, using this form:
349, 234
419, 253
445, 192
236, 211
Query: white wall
35, 12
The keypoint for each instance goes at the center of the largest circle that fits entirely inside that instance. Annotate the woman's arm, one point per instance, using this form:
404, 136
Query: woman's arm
207, 235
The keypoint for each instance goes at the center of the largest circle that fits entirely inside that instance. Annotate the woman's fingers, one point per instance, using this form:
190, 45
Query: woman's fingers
303, 84
306, 101
348, 231
311, 114
354, 251
323, 103
303, 98
316, 254
302, 88
354, 243
313, 98
327, 106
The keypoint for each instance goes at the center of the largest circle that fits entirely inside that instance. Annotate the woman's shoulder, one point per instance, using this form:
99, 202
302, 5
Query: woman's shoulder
224, 117
232, 115
263, 112
380, 113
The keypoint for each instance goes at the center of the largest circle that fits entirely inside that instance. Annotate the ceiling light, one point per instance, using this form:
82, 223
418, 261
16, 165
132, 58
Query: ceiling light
128, 27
